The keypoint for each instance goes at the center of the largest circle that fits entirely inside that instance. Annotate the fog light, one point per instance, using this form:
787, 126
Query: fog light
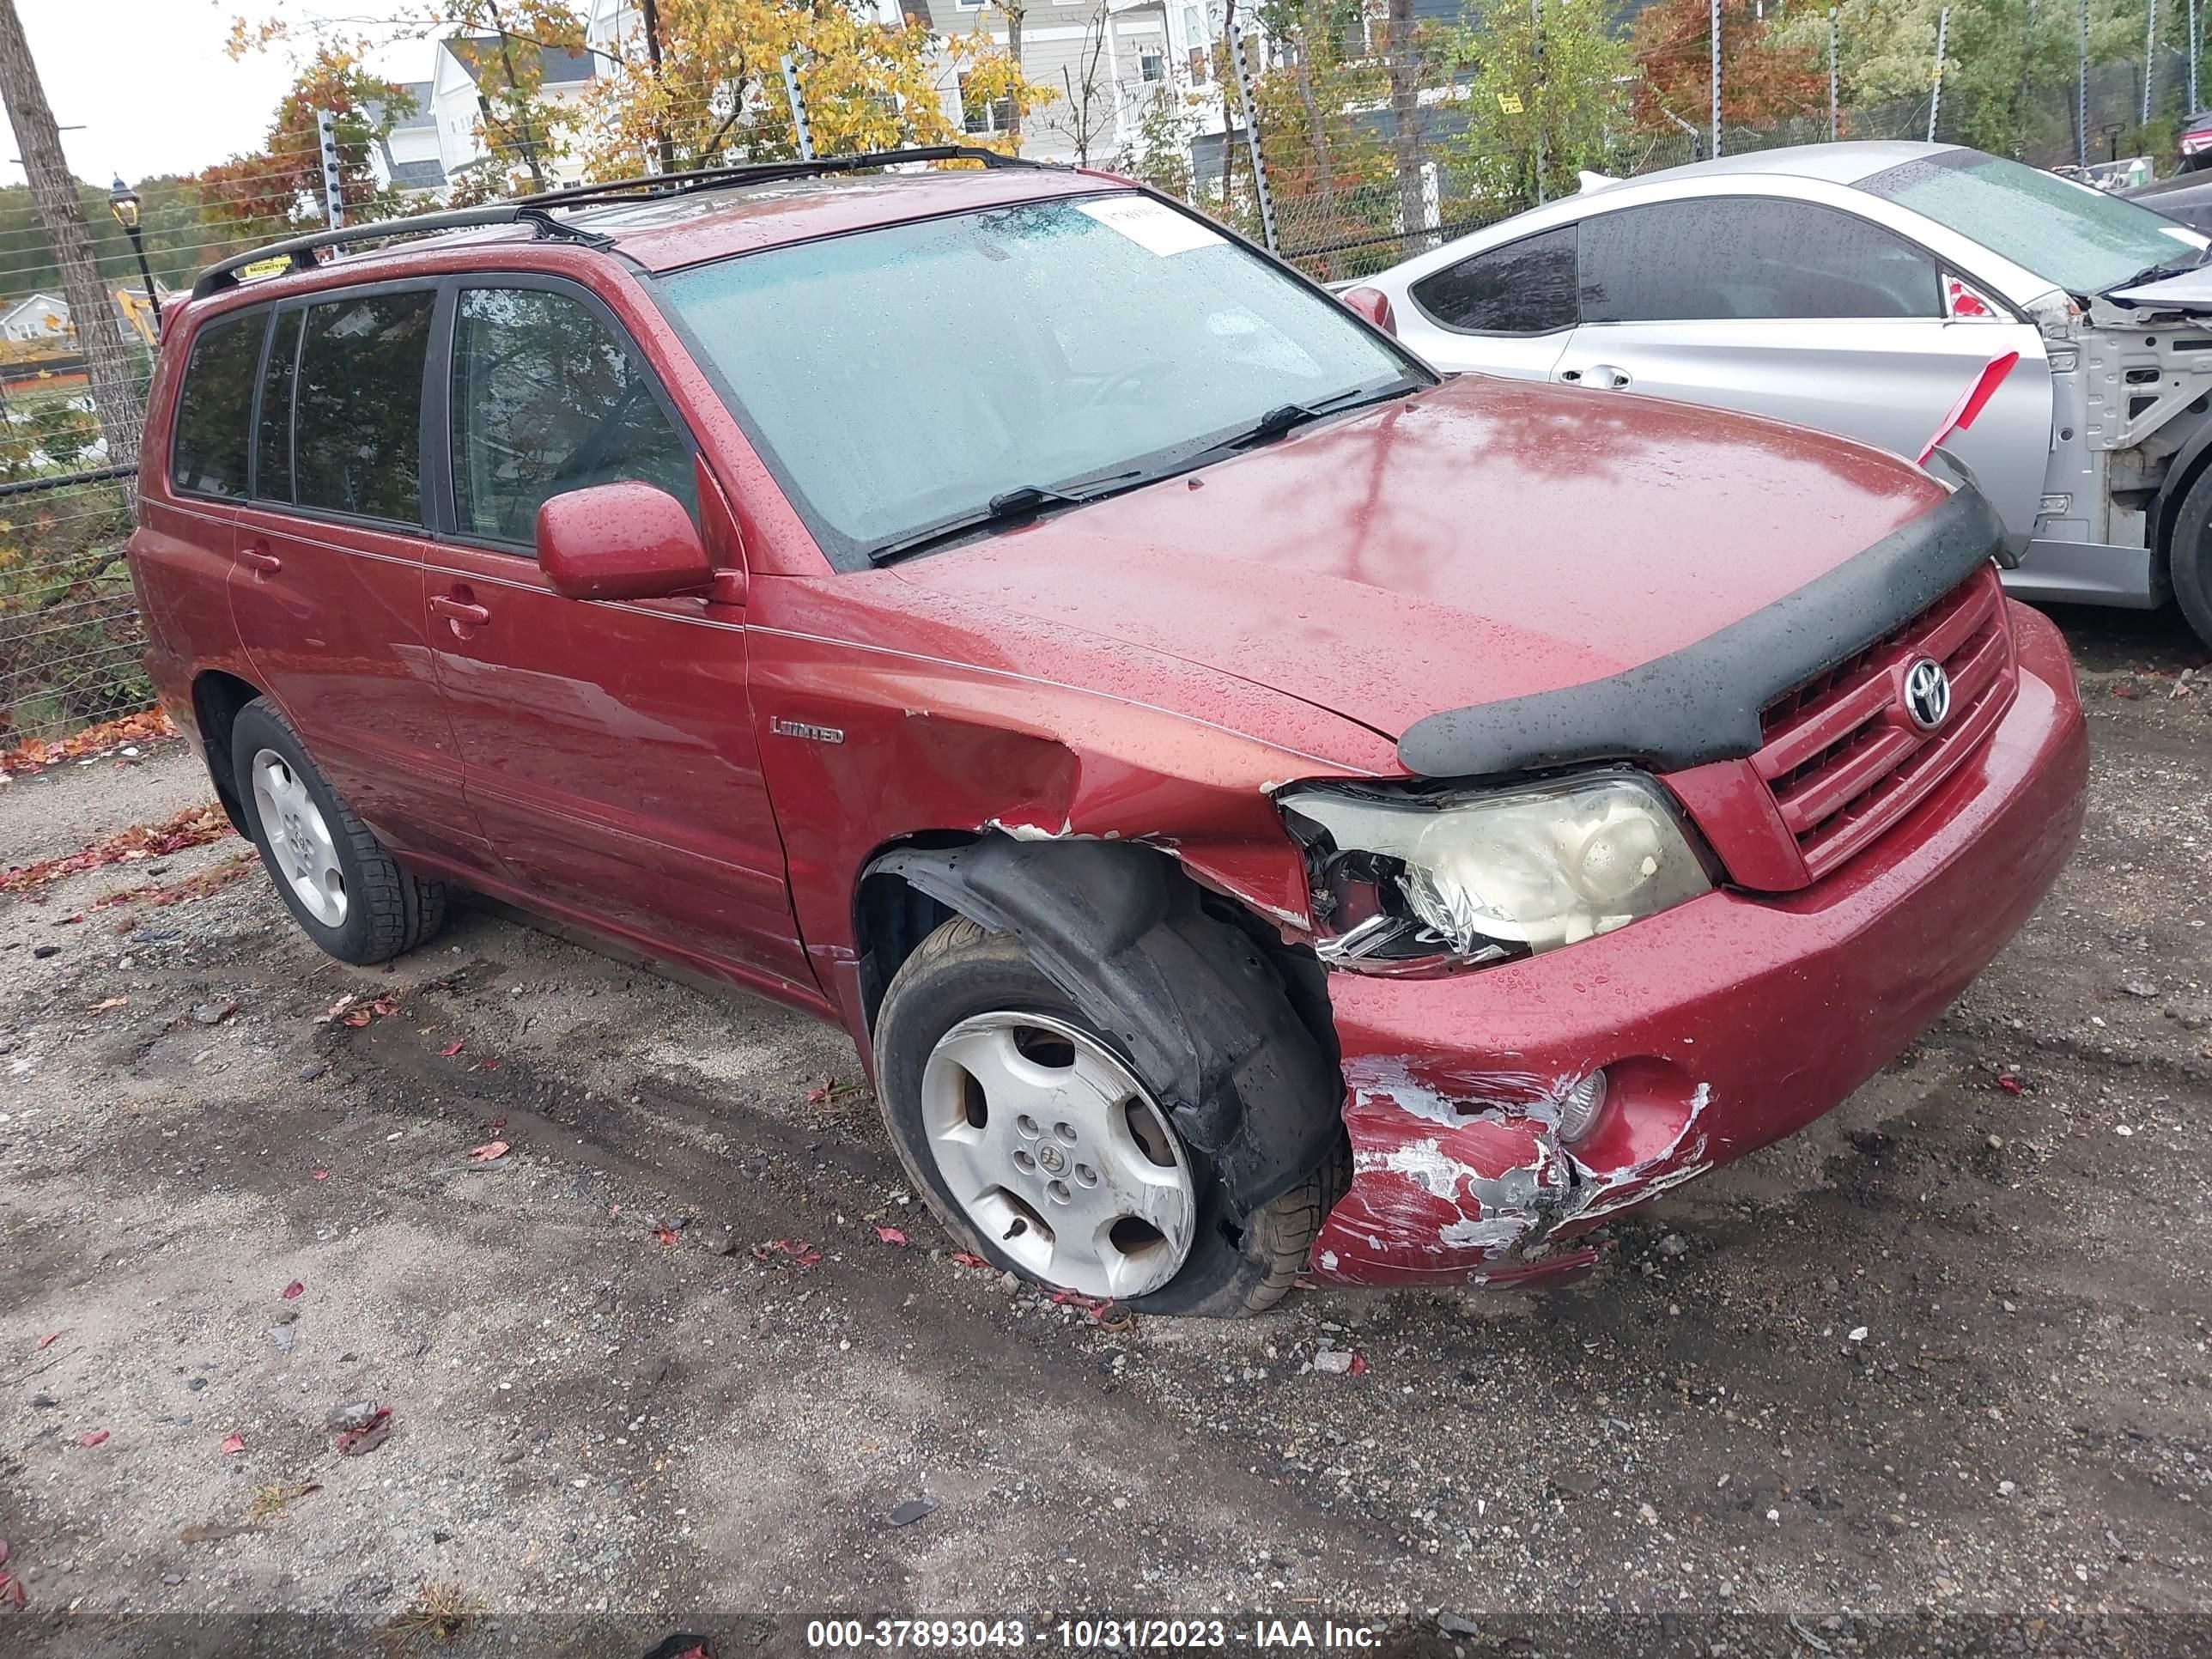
1580, 1105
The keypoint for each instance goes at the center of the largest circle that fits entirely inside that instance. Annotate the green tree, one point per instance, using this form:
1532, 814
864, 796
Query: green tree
278, 188
1555, 91
2009, 66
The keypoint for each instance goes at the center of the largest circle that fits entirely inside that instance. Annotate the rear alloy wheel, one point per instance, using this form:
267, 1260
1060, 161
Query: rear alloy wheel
301, 851
1050, 1144
1045, 1153
345, 890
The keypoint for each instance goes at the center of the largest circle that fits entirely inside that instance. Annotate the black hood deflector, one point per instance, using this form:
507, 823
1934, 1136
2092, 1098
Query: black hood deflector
1702, 703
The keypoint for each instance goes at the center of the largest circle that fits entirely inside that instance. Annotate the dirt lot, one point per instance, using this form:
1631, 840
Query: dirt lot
1940, 1361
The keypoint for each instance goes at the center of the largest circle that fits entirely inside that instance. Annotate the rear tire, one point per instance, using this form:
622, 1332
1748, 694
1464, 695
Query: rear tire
962, 979
327, 865
2189, 557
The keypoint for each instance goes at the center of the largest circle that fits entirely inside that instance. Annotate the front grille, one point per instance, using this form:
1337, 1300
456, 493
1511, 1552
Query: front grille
1845, 760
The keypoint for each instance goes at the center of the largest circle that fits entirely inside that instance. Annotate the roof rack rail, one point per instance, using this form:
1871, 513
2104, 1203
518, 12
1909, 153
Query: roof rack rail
301, 250
536, 211
767, 173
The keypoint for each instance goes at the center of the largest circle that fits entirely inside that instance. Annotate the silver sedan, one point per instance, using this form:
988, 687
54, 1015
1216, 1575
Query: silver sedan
1864, 288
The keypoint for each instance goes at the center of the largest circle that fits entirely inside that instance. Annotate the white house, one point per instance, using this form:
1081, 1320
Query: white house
39, 316
458, 110
408, 158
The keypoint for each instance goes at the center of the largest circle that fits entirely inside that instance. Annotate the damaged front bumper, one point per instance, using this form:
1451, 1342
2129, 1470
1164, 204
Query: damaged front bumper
1723, 1024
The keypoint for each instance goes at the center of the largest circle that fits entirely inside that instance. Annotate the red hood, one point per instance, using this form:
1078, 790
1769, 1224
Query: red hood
1488, 539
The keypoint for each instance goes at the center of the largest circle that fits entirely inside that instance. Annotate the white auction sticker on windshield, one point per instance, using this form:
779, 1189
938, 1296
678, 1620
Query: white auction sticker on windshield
1152, 226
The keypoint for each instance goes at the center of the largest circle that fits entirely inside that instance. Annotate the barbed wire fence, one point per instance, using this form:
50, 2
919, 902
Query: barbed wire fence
71, 640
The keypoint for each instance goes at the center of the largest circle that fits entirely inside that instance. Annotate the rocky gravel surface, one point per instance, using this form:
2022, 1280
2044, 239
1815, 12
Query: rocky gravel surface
672, 1357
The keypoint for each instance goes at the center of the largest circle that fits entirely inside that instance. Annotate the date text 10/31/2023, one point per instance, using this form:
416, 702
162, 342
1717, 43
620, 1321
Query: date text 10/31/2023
1094, 1635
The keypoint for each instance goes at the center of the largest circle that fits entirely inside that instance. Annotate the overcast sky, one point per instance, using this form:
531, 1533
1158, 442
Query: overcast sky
148, 82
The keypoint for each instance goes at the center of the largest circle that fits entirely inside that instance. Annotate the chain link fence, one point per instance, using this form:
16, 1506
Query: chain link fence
70, 640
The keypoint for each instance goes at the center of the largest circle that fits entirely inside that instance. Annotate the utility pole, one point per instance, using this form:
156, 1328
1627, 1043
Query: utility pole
665, 143
98, 334
1716, 74
2193, 45
1935, 92
1835, 116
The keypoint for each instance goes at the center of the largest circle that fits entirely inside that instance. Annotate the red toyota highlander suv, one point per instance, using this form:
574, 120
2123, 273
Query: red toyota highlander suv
1257, 809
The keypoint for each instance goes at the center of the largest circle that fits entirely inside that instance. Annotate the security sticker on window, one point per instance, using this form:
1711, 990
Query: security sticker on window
1153, 225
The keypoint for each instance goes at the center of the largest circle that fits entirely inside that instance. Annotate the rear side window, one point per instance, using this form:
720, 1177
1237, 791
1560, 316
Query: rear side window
214, 408
1525, 287
357, 406
272, 439
1748, 256
547, 398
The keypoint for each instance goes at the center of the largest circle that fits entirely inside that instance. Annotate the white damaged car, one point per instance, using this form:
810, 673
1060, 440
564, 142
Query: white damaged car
1867, 290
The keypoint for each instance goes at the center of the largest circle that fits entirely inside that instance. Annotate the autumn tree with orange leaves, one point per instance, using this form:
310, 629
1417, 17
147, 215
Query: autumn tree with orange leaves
279, 186
1764, 77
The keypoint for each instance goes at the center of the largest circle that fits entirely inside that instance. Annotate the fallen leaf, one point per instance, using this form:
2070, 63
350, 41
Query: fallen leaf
354, 1442
106, 1003
665, 1235
489, 1151
890, 1236
383, 1006
335, 1009
293, 1290
11, 1592
1359, 1365
968, 1259
498, 1123
357, 1018
96, 1437
233, 1445
321, 1175
488, 1063
817, 1094
50, 1338
796, 1250
2010, 1084
190, 828
449, 1050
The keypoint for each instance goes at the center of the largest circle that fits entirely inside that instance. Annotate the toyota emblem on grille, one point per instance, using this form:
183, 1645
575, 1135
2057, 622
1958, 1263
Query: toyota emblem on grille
1927, 694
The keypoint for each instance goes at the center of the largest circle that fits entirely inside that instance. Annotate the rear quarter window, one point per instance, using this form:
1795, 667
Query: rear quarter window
207, 456
1525, 287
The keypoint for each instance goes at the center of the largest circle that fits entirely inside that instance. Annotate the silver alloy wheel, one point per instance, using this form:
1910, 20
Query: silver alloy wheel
1055, 1152
302, 855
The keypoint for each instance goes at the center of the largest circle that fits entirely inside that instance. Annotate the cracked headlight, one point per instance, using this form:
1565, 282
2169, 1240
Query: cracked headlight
1484, 876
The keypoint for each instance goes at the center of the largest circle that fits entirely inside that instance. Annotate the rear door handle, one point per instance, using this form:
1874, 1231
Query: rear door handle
259, 557
1605, 374
460, 610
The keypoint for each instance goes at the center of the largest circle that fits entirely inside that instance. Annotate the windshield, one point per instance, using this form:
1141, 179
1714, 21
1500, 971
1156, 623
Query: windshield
2080, 238
899, 377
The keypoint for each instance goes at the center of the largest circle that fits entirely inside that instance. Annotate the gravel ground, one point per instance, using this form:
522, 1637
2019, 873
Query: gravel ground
1933, 1373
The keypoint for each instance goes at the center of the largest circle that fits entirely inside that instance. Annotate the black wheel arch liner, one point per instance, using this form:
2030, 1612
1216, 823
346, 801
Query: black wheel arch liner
1702, 703
1193, 1000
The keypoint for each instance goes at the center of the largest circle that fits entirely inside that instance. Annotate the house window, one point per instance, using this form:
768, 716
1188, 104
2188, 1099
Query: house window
1152, 64
984, 116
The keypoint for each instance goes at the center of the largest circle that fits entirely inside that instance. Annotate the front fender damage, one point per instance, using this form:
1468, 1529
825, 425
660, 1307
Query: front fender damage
1463, 1177
1188, 996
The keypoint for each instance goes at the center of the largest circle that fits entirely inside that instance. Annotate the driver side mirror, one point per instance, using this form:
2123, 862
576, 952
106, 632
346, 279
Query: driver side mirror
1374, 305
627, 540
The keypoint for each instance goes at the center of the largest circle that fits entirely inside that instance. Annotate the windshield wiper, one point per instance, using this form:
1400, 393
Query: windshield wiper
2158, 273
1016, 505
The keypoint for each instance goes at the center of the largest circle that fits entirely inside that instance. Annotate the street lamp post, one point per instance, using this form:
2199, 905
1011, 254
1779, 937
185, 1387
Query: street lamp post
123, 203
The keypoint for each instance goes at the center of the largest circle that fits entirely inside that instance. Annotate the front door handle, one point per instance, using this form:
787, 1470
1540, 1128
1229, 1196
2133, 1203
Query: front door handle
259, 557
460, 610
1605, 374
